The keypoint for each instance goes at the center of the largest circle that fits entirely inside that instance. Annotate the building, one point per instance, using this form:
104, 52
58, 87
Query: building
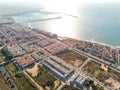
28, 46
15, 50
99, 50
23, 61
45, 42
118, 55
58, 68
6, 20
78, 79
56, 48
46, 33
39, 53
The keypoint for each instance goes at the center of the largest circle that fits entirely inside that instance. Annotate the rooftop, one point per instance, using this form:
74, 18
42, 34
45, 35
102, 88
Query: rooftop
58, 66
24, 60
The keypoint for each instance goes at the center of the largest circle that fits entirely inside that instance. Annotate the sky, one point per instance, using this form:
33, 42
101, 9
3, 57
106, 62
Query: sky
55, 1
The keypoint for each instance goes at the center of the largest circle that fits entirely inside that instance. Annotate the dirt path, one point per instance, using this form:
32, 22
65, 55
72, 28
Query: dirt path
37, 85
56, 83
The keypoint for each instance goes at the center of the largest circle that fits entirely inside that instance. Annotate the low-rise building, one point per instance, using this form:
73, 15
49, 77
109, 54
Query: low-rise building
59, 68
99, 50
15, 50
28, 46
56, 48
78, 79
118, 55
45, 42
39, 53
23, 61
34, 36
6, 20
46, 33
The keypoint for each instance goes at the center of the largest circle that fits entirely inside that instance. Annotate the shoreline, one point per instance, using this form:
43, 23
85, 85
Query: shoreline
92, 40
28, 24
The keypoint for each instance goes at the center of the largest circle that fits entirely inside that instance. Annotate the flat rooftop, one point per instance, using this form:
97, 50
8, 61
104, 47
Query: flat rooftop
56, 47
15, 49
58, 66
24, 60
40, 53
28, 46
45, 42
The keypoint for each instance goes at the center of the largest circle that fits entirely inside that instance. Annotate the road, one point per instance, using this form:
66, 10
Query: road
84, 63
60, 87
100, 83
98, 59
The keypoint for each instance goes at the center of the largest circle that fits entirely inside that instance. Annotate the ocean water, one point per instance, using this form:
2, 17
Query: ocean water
100, 22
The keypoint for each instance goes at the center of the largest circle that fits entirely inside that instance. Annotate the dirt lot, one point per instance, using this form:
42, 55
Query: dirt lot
56, 83
93, 69
33, 71
70, 41
45, 79
114, 84
72, 57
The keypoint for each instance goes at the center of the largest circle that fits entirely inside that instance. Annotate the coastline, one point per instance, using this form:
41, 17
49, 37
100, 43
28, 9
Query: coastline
28, 24
91, 40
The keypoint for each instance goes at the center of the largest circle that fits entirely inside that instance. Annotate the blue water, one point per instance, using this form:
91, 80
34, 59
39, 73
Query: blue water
100, 22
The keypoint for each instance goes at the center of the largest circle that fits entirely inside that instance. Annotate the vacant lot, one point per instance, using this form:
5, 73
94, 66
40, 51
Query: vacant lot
66, 87
33, 70
3, 83
45, 79
72, 57
70, 41
93, 69
19, 79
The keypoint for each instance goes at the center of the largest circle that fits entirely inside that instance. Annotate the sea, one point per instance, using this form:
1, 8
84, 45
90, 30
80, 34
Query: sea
88, 21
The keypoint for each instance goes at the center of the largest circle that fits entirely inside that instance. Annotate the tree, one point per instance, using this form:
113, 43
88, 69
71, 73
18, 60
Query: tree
94, 87
87, 84
91, 82
1, 44
49, 83
6, 53
9, 56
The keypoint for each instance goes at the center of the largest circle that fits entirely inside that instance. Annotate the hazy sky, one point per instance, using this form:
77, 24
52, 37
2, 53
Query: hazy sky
61, 1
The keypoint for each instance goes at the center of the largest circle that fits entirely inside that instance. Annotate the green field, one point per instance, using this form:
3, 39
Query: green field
19, 79
66, 87
45, 79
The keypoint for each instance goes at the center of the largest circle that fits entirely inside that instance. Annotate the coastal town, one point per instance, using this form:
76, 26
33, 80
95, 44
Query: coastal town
40, 60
